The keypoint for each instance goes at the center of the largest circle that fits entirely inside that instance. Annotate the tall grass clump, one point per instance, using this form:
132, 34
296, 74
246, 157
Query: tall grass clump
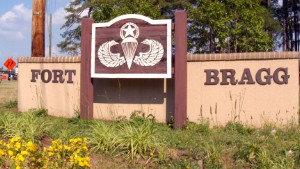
138, 140
212, 158
33, 127
135, 138
10, 104
139, 137
239, 128
203, 127
26, 126
103, 137
9, 124
248, 152
42, 112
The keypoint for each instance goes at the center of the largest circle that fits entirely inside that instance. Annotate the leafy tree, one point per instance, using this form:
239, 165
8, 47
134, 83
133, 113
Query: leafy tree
105, 11
214, 25
101, 11
229, 26
272, 24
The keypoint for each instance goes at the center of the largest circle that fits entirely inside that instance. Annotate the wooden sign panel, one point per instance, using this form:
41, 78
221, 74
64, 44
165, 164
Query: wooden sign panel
131, 46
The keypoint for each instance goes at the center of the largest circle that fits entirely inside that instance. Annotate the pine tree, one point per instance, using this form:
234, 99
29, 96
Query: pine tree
76, 10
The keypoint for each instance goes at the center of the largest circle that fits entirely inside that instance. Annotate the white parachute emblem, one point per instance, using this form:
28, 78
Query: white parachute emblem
129, 33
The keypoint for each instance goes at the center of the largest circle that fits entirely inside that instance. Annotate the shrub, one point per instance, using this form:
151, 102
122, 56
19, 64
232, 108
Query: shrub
33, 128
138, 140
202, 128
27, 126
102, 137
39, 112
139, 116
10, 125
239, 128
10, 104
248, 152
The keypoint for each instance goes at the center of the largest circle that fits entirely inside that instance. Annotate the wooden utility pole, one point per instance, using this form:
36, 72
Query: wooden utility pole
38, 29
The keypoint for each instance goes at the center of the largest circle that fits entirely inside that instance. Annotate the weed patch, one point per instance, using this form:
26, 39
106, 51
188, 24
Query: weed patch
10, 104
26, 126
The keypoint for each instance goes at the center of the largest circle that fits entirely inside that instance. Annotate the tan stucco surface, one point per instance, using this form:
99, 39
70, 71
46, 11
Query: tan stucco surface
60, 99
114, 98
250, 104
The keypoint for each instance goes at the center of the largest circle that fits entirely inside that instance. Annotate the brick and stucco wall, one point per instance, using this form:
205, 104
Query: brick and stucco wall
254, 103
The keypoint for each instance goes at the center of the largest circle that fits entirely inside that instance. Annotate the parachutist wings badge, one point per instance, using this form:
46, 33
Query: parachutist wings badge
107, 58
129, 45
146, 52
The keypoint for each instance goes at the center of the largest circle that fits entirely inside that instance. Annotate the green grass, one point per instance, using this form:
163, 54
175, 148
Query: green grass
8, 91
140, 142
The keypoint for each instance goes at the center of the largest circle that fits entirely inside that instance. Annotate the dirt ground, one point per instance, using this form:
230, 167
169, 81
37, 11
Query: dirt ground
8, 90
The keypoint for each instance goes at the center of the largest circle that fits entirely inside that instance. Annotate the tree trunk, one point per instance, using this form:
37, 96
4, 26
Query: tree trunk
295, 11
285, 26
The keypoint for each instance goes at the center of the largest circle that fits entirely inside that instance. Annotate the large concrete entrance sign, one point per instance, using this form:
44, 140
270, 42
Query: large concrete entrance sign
134, 46
255, 88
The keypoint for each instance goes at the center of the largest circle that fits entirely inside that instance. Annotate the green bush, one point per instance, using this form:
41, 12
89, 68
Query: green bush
27, 126
102, 137
134, 138
212, 157
39, 112
10, 124
239, 128
202, 127
138, 140
139, 117
249, 152
10, 104
33, 127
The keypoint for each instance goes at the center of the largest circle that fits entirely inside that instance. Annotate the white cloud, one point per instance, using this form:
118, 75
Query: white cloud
8, 17
12, 35
22, 11
54, 51
19, 35
15, 29
16, 23
58, 17
18, 13
85, 12
60, 14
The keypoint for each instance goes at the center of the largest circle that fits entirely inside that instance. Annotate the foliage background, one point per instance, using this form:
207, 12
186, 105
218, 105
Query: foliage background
221, 26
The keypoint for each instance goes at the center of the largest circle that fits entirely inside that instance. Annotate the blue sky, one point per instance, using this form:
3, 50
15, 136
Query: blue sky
15, 27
